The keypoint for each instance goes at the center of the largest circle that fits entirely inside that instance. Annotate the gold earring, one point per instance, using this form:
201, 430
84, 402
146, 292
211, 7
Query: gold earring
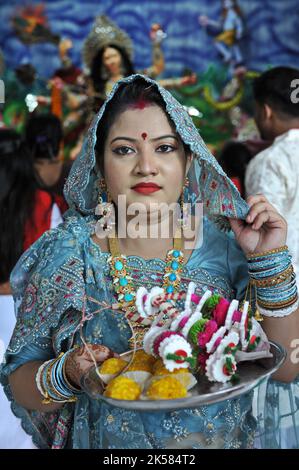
105, 209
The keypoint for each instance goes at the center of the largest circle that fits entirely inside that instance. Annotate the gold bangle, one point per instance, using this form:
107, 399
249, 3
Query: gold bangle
273, 280
266, 253
277, 305
48, 399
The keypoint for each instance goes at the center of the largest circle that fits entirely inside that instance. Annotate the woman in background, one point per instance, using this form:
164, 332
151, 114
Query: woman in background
25, 213
44, 138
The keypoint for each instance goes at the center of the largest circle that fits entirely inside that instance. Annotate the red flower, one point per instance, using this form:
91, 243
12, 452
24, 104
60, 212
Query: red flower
220, 311
204, 337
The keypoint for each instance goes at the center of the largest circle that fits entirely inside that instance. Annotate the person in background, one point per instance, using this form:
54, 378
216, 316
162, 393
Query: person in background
44, 138
25, 213
275, 173
234, 159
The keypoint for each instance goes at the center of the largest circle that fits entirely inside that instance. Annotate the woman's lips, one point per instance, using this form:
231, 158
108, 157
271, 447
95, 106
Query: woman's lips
146, 188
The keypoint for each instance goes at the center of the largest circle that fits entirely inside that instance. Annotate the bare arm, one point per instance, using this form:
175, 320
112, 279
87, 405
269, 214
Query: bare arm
25, 391
23, 384
284, 331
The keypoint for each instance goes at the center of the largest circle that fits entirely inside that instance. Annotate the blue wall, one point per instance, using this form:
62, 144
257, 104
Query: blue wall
272, 31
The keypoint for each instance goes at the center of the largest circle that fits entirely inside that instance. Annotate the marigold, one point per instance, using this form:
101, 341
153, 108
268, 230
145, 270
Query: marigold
123, 388
166, 388
113, 365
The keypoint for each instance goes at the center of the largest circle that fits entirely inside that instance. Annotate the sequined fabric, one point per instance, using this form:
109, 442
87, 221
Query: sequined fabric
52, 279
49, 291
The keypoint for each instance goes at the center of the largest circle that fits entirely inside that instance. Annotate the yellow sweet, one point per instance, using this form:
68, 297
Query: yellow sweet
123, 388
157, 365
113, 365
139, 366
166, 388
141, 361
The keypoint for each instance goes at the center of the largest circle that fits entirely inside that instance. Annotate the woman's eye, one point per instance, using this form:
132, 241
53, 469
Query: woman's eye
123, 150
165, 148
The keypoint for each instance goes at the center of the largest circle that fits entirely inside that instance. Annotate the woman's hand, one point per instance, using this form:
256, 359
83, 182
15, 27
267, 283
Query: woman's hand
264, 229
79, 361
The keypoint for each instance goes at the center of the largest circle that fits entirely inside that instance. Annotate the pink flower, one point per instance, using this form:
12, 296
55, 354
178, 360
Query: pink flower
237, 315
220, 311
204, 337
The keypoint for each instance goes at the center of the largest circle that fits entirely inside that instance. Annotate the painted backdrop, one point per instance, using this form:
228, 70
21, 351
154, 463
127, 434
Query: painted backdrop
271, 35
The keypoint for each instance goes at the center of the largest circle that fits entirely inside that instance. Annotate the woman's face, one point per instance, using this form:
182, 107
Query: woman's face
112, 60
144, 158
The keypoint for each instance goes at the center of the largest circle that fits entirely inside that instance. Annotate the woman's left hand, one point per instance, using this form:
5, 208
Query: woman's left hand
264, 228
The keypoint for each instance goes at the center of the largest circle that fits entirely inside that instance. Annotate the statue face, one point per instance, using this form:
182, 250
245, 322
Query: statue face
112, 60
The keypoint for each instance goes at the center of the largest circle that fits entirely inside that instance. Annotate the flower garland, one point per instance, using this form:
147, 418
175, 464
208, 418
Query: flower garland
211, 334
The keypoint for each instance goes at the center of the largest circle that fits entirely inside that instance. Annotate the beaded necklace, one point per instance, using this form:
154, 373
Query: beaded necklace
124, 286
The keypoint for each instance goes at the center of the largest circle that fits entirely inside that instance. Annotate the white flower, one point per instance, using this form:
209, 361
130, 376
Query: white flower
205, 297
231, 310
210, 346
141, 292
217, 370
193, 319
171, 345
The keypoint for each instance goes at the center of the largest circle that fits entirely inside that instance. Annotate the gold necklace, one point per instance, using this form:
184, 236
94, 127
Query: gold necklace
125, 289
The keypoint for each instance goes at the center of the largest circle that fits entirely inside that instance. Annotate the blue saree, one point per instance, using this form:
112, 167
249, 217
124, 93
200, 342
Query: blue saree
65, 272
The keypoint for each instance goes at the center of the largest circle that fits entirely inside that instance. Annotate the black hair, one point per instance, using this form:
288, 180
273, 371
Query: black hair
234, 159
127, 94
97, 73
274, 89
17, 195
43, 135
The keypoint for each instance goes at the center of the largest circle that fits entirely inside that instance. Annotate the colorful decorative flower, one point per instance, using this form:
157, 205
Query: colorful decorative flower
203, 338
220, 311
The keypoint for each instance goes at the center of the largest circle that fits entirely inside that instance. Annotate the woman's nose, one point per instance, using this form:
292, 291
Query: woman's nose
146, 164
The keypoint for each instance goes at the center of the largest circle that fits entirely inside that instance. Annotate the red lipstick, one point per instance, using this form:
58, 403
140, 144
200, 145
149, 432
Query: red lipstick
146, 188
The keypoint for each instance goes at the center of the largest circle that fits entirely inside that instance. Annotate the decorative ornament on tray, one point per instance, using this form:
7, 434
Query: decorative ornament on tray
208, 336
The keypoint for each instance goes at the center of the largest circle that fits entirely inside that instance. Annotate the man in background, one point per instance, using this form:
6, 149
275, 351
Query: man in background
275, 171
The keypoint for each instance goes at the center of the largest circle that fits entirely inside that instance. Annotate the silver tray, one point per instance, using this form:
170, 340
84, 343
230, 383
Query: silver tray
251, 374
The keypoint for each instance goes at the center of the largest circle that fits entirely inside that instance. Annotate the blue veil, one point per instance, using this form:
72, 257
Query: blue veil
49, 279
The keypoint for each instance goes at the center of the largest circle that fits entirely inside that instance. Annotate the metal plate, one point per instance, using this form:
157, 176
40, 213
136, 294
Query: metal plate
251, 374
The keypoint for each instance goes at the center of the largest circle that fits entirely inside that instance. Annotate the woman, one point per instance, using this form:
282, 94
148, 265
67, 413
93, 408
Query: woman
44, 138
25, 213
140, 148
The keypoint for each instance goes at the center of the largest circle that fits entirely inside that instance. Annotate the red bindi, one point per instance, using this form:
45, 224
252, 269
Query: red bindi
140, 104
144, 135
